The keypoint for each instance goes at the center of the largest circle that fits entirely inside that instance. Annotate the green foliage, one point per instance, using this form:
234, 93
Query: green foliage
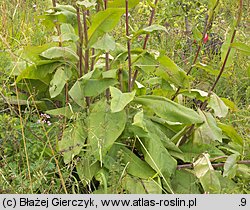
164, 133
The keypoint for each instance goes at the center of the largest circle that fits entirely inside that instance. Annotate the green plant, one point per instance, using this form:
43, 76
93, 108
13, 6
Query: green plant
124, 127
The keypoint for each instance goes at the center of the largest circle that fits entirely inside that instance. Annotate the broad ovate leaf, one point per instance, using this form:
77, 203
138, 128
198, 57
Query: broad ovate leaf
134, 165
208, 131
60, 53
172, 73
106, 43
73, 140
103, 22
120, 100
169, 110
104, 129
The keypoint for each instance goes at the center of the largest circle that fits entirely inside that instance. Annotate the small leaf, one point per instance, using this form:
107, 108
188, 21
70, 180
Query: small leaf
60, 78
106, 43
241, 47
220, 109
224, 49
149, 29
67, 34
230, 166
120, 100
197, 34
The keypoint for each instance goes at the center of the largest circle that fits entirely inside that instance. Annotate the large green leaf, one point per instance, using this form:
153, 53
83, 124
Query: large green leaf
86, 86
106, 43
67, 34
171, 72
134, 165
135, 185
169, 110
64, 111
120, 100
73, 140
104, 129
220, 109
121, 3
87, 168
86, 3
63, 53
60, 78
103, 22
184, 182
40, 72
208, 131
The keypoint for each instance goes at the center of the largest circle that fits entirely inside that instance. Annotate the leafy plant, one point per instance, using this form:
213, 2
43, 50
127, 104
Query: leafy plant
117, 135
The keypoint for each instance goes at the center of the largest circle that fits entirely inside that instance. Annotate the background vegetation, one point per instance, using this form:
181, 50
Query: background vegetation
73, 120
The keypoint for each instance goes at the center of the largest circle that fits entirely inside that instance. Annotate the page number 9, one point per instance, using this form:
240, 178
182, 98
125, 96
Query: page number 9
243, 202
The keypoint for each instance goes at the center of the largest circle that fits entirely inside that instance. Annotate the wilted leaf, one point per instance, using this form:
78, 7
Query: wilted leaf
220, 109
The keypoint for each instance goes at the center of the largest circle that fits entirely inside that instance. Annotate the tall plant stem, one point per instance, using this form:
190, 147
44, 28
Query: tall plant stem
204, 104
129, 49
208, 23
146, 39
86, 56
57, 26
107, 57
80, 42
